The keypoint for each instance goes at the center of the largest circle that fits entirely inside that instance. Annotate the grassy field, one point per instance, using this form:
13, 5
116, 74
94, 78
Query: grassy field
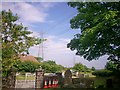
22, 77
97, 80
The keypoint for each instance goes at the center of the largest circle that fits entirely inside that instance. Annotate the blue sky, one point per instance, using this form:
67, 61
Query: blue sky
53, 20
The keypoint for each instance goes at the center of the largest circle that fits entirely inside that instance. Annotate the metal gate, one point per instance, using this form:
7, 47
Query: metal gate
25, 81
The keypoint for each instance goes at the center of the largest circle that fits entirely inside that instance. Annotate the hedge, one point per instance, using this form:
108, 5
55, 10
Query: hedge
103, 73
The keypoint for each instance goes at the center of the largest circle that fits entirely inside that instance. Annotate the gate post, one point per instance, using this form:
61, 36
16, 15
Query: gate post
60, 79
9, 80
39, 78
68, 77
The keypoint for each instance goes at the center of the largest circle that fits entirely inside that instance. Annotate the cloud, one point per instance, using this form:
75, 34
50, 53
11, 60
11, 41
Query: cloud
29, 13
47, 5
56, 44
34, 34
56, 49
98, 64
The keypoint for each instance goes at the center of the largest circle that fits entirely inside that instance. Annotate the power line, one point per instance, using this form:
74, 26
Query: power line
56, 25
42, 50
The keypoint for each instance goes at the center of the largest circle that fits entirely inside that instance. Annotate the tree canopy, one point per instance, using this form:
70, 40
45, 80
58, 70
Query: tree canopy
99, 23
39, 59
80, 67
26, 66
51, 66
16, 39
93, 68
111, 66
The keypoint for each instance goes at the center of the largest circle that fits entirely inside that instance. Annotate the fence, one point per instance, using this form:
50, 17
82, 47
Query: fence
50, 82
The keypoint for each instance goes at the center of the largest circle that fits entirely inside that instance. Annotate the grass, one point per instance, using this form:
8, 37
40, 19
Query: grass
97, 80
22, 77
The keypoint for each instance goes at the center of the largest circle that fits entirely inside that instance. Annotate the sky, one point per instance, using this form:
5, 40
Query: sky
51, 20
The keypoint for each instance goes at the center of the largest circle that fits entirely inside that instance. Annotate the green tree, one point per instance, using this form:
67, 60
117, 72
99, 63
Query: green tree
16, 39
93, 68
99, 23
103, 73
80, 67
39, 59
50, 62
51, 66
111, 66
27, 66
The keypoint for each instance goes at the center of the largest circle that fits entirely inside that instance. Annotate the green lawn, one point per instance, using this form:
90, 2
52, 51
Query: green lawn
100, 81
97, 80
22, 77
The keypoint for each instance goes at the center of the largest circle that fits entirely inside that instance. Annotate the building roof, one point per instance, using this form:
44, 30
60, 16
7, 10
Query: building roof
28, 58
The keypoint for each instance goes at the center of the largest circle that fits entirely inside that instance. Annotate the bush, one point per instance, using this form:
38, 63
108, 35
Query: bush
22, 72
103, 73
27, 66
51, 67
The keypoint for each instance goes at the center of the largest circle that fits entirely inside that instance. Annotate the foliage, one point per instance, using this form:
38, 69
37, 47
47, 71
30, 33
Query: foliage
99, 23
39, 59
16, 39
111, 66
50, 62
30, 66
103, 73
26, 66
93, 68
98, 81
80, 67
51, 67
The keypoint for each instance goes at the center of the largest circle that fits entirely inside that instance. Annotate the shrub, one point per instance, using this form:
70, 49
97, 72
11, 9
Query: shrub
103, 73
22, 72
27, 66
51, 67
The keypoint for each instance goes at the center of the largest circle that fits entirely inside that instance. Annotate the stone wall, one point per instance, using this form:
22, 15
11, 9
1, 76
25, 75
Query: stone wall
39, 78
9, 80
68, 78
